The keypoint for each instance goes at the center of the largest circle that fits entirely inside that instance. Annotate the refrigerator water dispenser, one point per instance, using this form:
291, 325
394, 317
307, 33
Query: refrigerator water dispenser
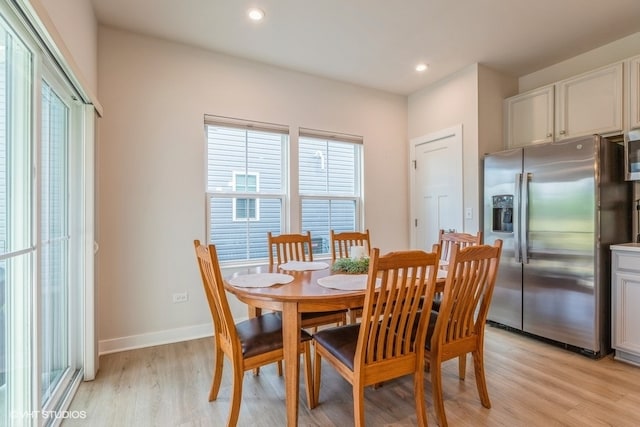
503, 213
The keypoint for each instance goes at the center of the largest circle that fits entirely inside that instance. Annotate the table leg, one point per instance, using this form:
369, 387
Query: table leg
291, 339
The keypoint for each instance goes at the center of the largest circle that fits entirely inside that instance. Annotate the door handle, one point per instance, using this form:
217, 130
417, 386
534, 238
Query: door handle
525, 218
517, 249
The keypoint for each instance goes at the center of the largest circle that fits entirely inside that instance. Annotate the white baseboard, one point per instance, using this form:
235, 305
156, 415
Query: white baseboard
168, 336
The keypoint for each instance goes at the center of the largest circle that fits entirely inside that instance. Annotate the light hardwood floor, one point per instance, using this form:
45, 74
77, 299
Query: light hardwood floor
530, 384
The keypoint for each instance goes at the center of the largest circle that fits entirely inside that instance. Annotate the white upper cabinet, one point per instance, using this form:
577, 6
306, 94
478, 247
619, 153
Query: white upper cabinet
589, 103
634, 92
529, 117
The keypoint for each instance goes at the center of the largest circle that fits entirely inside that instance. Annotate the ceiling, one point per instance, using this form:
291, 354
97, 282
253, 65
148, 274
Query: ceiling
373, 44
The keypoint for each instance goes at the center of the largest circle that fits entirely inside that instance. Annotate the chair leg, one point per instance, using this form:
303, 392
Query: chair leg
438, 398
308, 379
418, 392
236, 395
462, 366
217, 374
255, 312
358, 404
279, 363
481, 382
317, 373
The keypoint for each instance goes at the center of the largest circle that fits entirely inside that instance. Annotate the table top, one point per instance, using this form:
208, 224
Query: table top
303, 287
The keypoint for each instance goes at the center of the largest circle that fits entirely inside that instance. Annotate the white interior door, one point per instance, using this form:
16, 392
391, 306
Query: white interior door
436, 195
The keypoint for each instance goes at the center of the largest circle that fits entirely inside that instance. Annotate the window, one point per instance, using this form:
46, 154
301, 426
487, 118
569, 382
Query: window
245, 209
330, 184
246, 186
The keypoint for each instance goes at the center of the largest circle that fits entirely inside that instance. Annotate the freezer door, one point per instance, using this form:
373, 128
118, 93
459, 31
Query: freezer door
559, 214
501, 196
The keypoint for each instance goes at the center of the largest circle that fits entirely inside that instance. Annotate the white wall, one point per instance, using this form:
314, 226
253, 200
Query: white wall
601, 56
449, 102
493, 88
152, 160
473, 97
75, 22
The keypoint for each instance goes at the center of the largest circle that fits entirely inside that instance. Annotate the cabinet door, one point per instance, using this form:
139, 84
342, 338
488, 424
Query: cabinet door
626, 334
529, 117
634, 92
590, 103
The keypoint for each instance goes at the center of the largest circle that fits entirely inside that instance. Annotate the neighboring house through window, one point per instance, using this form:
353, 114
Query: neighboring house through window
245, 209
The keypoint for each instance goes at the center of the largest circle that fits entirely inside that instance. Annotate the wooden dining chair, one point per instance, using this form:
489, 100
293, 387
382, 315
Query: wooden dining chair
298, 247
341, 243
447, 239
248, 344
289, 247
387, 343
458, 327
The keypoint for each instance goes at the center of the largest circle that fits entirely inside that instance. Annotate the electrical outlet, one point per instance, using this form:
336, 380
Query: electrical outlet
180, 297
468, 213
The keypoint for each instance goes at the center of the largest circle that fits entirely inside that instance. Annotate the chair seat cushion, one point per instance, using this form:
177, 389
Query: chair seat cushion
262, 334
340, 341
433, 317
437, 301
432, 325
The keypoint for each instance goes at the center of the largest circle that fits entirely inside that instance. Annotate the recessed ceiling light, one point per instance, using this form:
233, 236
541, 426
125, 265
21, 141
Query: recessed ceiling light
421, 67
256, 14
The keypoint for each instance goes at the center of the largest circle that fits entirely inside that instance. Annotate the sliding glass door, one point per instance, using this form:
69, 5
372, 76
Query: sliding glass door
41, 242
17, 252
56, 342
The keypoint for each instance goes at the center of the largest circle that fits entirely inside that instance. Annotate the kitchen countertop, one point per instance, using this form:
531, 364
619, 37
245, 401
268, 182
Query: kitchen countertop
635, 247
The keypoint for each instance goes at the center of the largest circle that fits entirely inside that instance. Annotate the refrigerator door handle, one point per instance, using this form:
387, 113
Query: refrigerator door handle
524, 223
517, 249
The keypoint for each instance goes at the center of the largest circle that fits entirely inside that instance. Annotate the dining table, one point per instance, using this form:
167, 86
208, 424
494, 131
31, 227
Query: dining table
303, 292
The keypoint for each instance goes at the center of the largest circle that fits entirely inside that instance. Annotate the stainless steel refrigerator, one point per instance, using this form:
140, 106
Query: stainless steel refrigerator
557, 207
